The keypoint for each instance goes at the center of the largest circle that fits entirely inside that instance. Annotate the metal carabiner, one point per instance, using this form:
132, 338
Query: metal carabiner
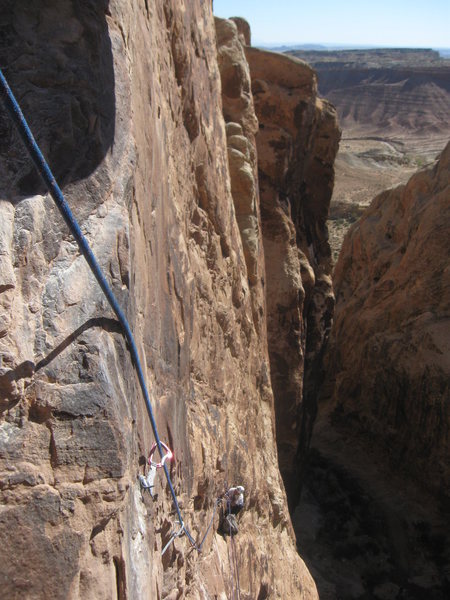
167, 456
148, 482
174, 535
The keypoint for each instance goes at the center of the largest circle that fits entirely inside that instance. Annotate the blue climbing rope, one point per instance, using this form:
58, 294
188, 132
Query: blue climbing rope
41, 165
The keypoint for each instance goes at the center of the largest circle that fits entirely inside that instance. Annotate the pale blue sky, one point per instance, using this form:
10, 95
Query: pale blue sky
408, 23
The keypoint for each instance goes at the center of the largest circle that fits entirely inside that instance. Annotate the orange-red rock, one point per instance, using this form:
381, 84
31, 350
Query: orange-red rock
388, 360
125, 99
241, 127
297, 143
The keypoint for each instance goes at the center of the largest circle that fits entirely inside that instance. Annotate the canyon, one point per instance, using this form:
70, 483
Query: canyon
201, 171
375, 505
374, 510
392, 105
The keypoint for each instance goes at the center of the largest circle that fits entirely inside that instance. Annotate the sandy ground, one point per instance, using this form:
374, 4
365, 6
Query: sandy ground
365, 166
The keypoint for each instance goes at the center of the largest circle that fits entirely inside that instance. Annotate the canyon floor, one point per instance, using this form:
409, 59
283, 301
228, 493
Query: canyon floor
365, 166
365, 534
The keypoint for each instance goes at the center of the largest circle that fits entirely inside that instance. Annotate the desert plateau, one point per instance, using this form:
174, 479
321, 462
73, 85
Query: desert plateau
393, 106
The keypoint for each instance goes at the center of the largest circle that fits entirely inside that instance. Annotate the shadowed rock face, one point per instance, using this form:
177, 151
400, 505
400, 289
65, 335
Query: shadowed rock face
64, 78
373, 518
389, 367
158, 207
297, 142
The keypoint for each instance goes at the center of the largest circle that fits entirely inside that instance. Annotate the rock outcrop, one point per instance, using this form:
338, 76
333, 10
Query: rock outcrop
125, 99
241, 127
389, 371
297, 143
373, 517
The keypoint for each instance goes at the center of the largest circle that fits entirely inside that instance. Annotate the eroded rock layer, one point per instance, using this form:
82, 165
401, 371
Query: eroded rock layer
241, 127
389, 369
125, 99
297, 143
399, 93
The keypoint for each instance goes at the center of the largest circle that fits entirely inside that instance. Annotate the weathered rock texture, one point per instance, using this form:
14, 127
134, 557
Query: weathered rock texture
389, 370
125, 98
297, 143
241, 127
373, 517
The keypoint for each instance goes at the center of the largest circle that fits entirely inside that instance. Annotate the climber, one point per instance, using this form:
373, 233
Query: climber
234, 498
148, 482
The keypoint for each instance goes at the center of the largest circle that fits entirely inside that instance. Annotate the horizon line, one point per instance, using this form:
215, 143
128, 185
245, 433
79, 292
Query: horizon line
348, 45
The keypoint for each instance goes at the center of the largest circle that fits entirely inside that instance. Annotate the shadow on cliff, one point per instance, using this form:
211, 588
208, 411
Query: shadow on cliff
28, 368
57, 58
361, 544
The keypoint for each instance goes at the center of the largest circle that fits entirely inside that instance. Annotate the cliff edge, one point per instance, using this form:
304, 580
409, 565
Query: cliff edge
297, 143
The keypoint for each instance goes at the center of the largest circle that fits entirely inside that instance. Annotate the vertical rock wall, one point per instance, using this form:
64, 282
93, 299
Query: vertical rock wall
374, 515
297, 143
388, 361
125, 98
67, 438
241, 127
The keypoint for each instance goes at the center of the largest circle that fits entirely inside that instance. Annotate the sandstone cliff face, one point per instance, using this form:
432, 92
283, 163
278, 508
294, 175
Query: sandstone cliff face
297, 143
241, 127
389, 370
125, 99
373, 517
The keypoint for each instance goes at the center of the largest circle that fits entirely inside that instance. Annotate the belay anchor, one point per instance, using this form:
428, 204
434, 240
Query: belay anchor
148, 482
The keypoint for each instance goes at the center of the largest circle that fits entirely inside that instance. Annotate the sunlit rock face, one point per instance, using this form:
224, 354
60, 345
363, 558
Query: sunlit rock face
126, 100
241, 127
297, 142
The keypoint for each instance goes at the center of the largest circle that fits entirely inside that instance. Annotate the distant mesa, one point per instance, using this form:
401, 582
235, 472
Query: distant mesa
385, 91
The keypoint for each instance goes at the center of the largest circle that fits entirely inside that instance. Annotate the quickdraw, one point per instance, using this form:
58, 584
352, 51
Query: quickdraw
148, 482
174, 535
